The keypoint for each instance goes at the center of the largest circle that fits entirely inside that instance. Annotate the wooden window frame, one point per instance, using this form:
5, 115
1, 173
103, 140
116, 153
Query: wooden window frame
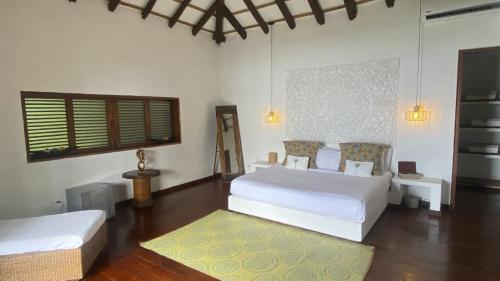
112, 122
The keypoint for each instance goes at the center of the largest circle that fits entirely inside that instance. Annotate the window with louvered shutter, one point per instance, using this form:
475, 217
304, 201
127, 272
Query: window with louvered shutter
160, 113
61, 125
47, 126
132, 121
91, 124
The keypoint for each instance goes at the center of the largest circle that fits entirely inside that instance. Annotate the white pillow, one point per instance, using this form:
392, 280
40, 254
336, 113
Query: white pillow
298, 163
360, 169
328, 159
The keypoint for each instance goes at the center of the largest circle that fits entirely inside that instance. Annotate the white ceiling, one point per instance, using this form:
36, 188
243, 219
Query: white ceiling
269, 13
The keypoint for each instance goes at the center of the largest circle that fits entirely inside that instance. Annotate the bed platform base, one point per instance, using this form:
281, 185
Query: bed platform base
71, 264
323, 224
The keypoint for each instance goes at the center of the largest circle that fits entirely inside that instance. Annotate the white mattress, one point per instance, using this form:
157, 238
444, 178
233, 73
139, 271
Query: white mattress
47, 233
319, 192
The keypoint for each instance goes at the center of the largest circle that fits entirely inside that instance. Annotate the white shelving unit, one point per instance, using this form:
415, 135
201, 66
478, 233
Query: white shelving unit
470, 131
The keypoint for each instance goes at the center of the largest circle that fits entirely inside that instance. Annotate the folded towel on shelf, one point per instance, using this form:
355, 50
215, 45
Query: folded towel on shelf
477, 123
493, 122
490, 96
484, 148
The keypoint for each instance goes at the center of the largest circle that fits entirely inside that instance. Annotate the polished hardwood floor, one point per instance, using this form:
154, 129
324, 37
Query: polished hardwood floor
410, 244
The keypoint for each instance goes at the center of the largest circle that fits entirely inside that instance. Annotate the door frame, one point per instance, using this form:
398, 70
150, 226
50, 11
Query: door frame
454, 175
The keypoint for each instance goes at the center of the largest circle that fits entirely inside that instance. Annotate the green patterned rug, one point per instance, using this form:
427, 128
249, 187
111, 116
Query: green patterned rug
233, 247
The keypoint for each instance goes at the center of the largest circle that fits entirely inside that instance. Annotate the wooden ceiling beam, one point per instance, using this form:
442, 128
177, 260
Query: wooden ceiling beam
389, 3
317, 11
258, 18
218, 35
149, 6
234, 22
199, 25
351, 8
286, 13
306, 14
192, 6
178, 13
113, 4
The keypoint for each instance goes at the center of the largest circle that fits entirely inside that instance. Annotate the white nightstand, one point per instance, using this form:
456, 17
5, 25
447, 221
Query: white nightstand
263, 165
435, 185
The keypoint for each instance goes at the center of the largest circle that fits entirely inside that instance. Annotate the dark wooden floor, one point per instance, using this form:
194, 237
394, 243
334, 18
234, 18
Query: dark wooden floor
410, 245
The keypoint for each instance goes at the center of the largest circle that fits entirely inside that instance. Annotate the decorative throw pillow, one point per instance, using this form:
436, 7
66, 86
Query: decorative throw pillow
359, 169
297, 163
302, 149
363, 152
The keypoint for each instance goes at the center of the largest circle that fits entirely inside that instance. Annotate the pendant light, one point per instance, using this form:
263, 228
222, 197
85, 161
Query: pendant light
272, 116
418, 113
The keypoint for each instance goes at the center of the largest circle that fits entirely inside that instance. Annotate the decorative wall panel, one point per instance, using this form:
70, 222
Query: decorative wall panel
343, 103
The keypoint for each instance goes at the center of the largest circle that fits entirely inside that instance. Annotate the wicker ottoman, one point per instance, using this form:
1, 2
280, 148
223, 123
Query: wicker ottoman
63, 264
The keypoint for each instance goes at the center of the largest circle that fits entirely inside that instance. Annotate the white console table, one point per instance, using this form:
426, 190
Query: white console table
435, 185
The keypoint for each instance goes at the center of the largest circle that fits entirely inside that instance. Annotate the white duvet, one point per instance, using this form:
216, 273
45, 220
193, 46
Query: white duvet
324, 193
47, 233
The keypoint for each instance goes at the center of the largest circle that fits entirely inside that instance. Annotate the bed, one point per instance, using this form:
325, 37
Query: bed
54, 247
325, 201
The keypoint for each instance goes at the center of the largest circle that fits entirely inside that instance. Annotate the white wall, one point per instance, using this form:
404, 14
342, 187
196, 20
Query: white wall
55, 45
377, 33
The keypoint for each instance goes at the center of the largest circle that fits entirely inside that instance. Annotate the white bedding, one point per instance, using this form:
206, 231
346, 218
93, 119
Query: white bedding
47, 233
319, 192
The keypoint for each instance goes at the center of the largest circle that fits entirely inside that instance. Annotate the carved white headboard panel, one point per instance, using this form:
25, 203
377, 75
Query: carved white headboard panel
342, 103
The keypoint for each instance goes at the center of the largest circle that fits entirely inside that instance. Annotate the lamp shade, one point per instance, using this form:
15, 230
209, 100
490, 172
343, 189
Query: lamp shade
417, 114
271, 117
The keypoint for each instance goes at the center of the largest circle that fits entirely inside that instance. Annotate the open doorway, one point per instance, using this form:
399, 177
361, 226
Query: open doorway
476, 159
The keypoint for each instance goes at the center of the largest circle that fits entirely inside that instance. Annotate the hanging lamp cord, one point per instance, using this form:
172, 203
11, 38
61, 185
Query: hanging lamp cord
271, 70
419, 63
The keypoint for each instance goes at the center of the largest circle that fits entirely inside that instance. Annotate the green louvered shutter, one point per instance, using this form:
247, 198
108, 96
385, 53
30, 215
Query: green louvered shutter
47, 127
91, 124
132, 122
160, 113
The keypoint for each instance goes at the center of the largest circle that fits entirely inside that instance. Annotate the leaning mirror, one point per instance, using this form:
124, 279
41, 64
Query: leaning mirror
229, 149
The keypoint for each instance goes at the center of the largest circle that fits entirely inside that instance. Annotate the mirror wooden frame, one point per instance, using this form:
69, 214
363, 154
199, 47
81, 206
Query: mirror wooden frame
229, 109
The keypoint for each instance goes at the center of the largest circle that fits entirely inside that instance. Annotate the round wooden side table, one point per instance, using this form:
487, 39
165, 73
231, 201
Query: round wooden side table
142, 186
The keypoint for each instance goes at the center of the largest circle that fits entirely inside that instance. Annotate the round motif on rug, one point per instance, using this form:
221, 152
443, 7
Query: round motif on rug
251, 233
195, 240
225, 250
292, 258
197, 228
261, 262
225, 267
349, 250
284, 243
232, 278
225, 237
200, 266
337, 272
359, 265
276, 230
169, 253
267, 277
193, 254
222, 225
322, 255
255, 246
247, 222
163, 243
302, 273
310, 239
